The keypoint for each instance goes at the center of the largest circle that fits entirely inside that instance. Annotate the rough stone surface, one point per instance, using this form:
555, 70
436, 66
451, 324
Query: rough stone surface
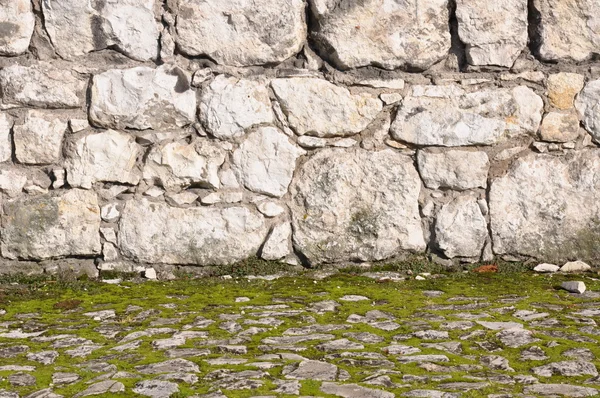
40, 85
318, 108
536, 207
563, 87
329, 217
241, 33
410, 34
493, 33
559, 127
228, 106
109, 156
142, 98
175, 165
588, 105
17, 21
77, 28
573, 287
568, 29
157, 233
454, 169
460, 228
39, 139
277, 244
266, 160
448, 116
51, 226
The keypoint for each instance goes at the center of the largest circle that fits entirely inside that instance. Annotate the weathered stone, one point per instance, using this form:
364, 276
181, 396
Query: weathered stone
453, 168
170, 366
176, 165
566, 390
12, 181
77, 28
156, 388
51, 226
560, 127
266, 160
568, 29
533, 354
353, 391
17, 22
270, 209
562, 89
573, 287
319, 108
447, 116
108, 156
103, 387
493, 33
410, 34
516, 337
277, 245
240, 33
331, 222
39, 139
575, 266
40, 85
536, 207
156, 233
566, 368
588, 104
423, 358
21, 379
228, 106
142, 98
312, 370
460, 228
6, 124
496, 362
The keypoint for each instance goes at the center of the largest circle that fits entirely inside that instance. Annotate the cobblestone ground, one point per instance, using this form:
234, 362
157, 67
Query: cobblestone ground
342, 336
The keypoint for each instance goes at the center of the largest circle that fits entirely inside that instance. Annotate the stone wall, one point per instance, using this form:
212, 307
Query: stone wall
205, 132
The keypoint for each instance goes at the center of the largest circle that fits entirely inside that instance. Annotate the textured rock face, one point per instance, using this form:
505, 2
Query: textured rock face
158, 233
51, 226
494, 33
39, 139
569, 29
228, 106
40, 85
17, 23
460, 228
241, 33
536, 208
6, 124
560, 127
319, 108
109, 156
385, 33
331, 218
447, 116
455, 169
142, 98
176, 165
266, 160
588, 106
79, 27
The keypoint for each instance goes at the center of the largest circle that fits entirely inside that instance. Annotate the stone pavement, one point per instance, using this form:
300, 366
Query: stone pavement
338, 337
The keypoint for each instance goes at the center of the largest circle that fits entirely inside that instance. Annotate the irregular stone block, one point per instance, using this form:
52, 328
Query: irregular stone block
454, 169
318, 108
568, 29
40, 85
562, 89
460, 228
39, 139
176, 165
536, 208
228, 106
241, 33
16, 26
142, 98
448, 116
356, 205
588, 106
277, 244
266, 160
411, 34
574, 286
79, 27
560, 127
12, 181
6, 124
494, 33
566, 390
157, 233
108, 156
51, 226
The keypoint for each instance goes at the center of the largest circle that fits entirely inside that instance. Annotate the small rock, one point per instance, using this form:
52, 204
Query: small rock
574, 286
543, 268
156, 388
575, 266
150, 273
